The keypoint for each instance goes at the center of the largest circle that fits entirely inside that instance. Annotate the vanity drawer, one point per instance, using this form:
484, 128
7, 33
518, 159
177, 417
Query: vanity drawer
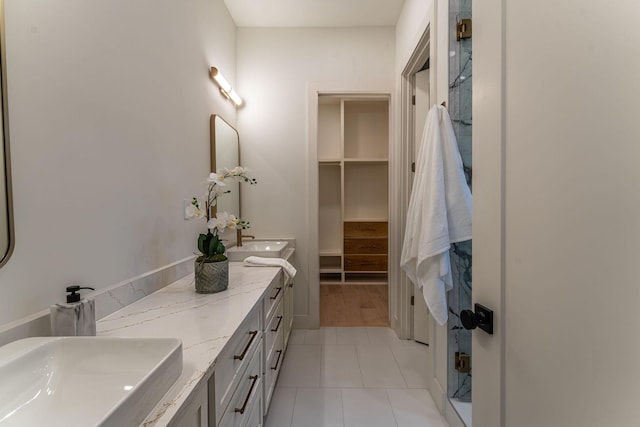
249, 392
234, 359
274, 327
273, 296
365, 229
255, 417
272, 369
365, 263
365, 246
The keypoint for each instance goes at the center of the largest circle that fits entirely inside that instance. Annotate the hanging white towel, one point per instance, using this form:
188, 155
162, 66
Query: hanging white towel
289, 270
439, 214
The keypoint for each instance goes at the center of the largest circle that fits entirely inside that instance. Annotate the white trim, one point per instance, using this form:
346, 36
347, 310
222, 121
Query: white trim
402, 180
438, 394
489, 132
311, 319
451, 415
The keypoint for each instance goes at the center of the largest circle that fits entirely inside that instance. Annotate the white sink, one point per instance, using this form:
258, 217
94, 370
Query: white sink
261, 248
85, 381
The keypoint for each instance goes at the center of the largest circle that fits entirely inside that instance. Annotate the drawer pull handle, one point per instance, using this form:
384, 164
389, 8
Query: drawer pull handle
254, 378
275, 368
244, 352
277, 293
278, 325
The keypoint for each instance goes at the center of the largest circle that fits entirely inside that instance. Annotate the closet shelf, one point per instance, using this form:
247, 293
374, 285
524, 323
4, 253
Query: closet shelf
330, 252
360, 160
331, 270
354, 219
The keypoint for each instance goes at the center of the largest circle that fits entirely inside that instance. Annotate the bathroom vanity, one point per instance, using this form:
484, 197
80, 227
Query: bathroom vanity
234, 343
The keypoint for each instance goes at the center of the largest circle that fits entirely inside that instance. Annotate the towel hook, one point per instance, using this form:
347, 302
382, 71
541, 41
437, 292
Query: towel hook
444, 104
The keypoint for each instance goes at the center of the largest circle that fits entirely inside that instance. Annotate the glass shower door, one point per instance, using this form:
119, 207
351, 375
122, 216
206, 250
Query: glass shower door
459, 339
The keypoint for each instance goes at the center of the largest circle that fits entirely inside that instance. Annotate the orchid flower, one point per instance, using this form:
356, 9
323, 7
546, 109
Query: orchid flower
209, 244
216, 179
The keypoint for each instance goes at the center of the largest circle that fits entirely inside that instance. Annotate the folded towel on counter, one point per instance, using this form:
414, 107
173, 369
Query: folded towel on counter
256, 261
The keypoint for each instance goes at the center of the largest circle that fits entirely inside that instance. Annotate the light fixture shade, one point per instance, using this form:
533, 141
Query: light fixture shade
220, 80
235, 98
225, 87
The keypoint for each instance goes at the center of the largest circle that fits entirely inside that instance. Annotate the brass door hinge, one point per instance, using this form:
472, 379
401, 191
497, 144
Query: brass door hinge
463, 29
462, 362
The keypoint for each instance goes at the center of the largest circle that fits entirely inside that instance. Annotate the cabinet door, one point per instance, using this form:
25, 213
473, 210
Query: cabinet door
194, 414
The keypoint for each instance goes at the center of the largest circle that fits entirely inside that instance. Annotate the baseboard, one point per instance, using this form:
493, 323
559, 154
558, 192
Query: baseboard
438, 394
452, 417
305, 322
107, 300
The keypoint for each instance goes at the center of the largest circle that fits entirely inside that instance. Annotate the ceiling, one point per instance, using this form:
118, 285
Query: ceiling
314, 13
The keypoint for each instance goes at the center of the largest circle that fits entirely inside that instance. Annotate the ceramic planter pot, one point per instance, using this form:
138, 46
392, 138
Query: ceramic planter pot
211, 277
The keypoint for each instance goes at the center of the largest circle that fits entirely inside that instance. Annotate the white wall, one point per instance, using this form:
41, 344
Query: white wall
109, 105
275, 69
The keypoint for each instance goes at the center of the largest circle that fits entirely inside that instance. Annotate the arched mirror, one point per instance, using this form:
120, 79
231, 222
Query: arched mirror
6, 208
225, 153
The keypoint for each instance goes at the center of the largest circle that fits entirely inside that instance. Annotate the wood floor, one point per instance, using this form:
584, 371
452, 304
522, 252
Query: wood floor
354, 305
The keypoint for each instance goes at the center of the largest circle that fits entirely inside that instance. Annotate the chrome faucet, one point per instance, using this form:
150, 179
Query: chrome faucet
240, 236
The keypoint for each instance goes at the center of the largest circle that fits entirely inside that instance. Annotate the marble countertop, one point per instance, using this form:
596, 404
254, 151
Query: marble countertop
204, 323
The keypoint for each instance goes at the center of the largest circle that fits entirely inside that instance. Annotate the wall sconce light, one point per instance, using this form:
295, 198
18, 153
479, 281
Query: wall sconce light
225, 87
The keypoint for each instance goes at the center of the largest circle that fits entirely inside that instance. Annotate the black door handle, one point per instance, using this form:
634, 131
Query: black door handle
482, 318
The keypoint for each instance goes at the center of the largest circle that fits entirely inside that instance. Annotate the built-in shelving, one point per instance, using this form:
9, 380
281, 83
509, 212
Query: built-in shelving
353, 146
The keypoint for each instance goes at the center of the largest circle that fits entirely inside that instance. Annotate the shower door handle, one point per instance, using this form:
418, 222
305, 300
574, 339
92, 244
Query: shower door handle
482, 318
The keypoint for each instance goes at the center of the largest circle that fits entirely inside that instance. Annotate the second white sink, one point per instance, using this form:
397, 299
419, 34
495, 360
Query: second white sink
261, 248
85, 381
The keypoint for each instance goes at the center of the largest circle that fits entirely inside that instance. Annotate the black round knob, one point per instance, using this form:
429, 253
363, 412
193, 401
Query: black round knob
468, 319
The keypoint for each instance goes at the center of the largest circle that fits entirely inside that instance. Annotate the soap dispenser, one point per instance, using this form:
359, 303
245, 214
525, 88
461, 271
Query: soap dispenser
75, 318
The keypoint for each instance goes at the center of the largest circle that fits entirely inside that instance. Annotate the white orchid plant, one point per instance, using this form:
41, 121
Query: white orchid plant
210, 246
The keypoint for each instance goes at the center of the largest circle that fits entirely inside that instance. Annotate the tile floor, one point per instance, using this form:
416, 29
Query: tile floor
353, 377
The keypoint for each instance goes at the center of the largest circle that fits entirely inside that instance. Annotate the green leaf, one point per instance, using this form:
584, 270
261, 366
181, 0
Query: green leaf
201, 243
213, 244
220, 248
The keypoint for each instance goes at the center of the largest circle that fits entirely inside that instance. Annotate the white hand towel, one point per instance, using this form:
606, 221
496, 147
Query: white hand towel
256, 261
440, 211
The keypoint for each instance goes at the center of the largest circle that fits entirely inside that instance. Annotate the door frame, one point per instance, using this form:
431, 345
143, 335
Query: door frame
311, 319
489, 147
427, 47
404, 152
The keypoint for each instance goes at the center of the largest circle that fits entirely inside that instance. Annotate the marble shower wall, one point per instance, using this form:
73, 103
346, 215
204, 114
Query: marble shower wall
459, 384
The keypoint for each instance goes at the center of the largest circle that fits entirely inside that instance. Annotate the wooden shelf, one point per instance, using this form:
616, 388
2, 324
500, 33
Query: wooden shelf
330, 278
331, 264
330, 252
330, 270
366, 220
373, 161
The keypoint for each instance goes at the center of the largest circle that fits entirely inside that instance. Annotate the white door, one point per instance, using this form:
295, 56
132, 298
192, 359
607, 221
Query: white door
422, 104
556, 159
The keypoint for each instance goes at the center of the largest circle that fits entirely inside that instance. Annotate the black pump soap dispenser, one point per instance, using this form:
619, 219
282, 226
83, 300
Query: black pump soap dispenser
75, 318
